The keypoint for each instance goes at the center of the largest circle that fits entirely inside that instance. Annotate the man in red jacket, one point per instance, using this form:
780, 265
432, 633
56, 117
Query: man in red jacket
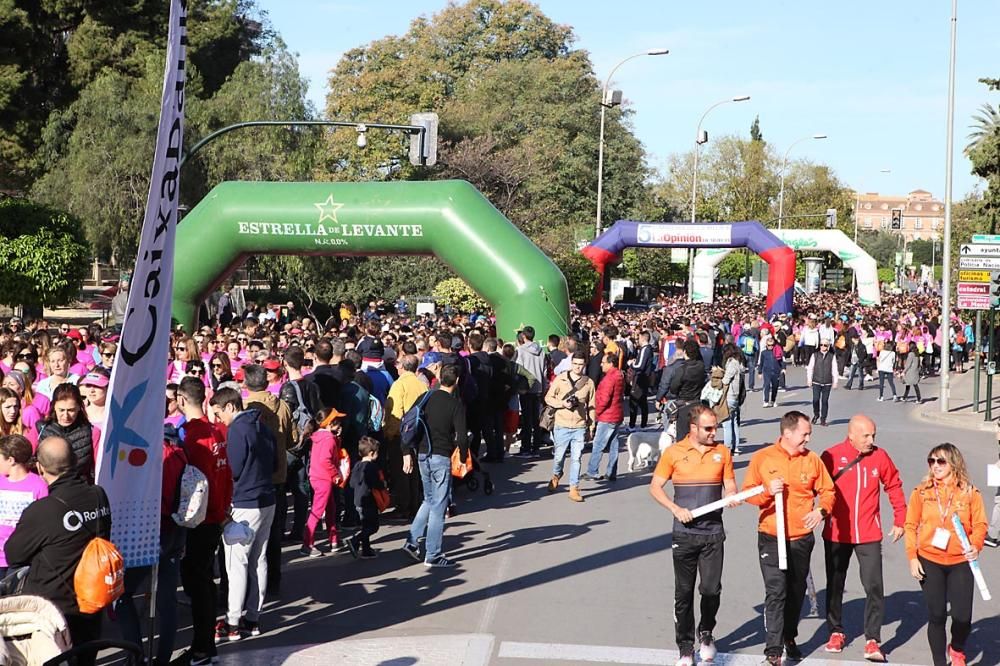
610, 412
205, 446
858, 467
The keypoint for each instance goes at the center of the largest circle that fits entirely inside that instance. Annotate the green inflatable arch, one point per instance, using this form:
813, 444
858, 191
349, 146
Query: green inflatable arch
449, 219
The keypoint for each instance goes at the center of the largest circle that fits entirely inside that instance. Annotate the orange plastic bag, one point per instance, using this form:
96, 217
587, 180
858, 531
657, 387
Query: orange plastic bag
100, 576
456, 463
381, 495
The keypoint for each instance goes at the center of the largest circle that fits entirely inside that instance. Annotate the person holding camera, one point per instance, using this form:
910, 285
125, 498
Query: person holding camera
570, 406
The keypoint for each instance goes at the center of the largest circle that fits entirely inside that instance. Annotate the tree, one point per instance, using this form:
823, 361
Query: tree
43, 254
755, 133
881, 245
458, 295
652, 266
519, 115
100, 148
734, 266
581, 277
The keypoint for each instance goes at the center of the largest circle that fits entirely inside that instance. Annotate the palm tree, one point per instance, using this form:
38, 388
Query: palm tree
987, 123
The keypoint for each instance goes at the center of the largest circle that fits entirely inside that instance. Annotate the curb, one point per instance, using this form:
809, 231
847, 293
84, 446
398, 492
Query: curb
970, 421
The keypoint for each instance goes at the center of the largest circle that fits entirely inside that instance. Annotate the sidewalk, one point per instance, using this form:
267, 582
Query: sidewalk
960, 413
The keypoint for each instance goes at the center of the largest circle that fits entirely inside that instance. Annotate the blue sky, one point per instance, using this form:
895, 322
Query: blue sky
871, 75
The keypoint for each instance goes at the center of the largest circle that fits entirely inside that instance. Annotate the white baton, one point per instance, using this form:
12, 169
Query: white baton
725, 501
779, 516
977, 573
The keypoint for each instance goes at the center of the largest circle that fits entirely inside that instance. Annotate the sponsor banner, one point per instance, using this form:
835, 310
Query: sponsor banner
973, 288
973, 302
684, 235
974, 276
130, 454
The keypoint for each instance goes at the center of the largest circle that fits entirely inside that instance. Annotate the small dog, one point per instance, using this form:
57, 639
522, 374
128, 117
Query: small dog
645, 448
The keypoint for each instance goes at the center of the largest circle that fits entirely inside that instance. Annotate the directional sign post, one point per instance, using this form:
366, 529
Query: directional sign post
979, 263
979, 250
974, 276
986, 238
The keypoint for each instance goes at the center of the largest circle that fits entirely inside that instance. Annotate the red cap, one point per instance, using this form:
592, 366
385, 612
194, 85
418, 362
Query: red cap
272, 364
75, 334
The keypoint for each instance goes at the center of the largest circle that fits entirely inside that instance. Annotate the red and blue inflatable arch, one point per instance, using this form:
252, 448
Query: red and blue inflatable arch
607, 248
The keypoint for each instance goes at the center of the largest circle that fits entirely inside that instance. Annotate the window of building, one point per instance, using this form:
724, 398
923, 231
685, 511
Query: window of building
868, 222
885, 222
935, 208
885, 206
868, 206
920, 207
935, 223
918, 223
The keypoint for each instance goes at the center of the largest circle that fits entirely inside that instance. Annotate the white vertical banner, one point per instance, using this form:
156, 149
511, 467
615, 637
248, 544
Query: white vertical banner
130, 457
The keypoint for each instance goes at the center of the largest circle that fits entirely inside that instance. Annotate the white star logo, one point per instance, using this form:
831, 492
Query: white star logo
328, 210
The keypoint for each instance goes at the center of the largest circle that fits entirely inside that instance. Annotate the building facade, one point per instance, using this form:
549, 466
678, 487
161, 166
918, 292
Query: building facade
922, 214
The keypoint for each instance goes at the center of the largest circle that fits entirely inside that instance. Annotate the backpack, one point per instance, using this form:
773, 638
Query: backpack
301, 415
376, 414
192, 497
99, 579
748, 345
413, 428
961, 339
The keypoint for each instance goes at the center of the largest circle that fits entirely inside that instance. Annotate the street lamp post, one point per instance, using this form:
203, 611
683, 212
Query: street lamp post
857, 214
946, 246
698, 141
784, 163
605, 104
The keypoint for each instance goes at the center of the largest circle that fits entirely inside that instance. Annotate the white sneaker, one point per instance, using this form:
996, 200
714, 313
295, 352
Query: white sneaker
685, 660
707, 651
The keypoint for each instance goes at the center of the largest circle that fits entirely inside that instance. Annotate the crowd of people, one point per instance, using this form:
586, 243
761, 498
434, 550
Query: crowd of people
302, 428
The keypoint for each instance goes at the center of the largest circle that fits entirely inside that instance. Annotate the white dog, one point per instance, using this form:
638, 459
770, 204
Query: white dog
645, 448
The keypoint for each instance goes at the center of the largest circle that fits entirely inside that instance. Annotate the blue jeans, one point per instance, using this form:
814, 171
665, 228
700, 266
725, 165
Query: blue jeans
571, 438
856, 370
435, 474
751, 371
171, 548
605, 437
731, 427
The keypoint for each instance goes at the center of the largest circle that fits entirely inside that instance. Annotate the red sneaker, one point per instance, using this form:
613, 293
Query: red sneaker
836, 642
957, 656
873, 652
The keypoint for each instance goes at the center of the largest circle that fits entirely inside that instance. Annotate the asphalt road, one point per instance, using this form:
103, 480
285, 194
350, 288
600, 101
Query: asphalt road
542, 580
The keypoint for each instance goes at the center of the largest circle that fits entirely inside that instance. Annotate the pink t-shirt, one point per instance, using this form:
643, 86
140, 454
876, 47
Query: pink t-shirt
14, 499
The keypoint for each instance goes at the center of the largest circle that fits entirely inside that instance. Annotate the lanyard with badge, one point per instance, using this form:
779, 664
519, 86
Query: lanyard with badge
941, 535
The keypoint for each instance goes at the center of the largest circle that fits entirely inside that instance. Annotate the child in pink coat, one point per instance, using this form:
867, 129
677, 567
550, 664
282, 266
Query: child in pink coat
324, 473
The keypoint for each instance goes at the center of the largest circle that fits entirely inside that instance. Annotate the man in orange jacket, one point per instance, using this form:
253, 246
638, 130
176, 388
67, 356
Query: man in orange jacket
788, 467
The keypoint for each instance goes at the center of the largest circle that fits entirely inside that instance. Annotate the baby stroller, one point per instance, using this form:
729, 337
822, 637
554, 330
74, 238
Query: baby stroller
471, 472
35, 633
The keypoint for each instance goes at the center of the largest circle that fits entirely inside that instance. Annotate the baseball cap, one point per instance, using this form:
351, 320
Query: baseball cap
272, 364
375, 350
74, 334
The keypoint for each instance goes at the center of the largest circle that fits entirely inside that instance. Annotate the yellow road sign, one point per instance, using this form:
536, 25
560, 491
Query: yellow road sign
974, 276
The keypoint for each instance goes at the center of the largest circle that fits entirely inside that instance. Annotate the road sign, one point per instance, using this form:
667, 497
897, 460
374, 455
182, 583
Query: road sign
974, 276
974, 288
980, 263
986, 238
980, 250
973, 302
994, 291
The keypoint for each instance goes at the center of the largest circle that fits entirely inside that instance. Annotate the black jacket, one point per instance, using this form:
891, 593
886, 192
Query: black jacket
310, 395
50, 537
688, 380
445, 417
80, 437
328, 379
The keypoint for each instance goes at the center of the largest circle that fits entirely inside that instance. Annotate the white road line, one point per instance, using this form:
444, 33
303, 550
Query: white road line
607, 654
490, 608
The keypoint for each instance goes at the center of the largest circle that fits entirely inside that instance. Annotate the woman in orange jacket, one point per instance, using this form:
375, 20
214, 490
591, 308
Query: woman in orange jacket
937, 558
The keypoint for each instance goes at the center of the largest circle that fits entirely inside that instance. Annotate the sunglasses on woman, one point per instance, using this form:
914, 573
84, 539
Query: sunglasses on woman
196, 371
931, 460
25, 357
180, 348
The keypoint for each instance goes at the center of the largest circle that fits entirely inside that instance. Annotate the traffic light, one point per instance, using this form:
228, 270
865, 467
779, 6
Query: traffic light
897, 219
995, 289
831, 218
423, 145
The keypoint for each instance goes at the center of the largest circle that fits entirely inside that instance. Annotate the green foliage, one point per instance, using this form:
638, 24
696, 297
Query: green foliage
519, 116
43, 254
581, 277
734, 266
881, 245
652, 266
886, 275
457, 294
755, 133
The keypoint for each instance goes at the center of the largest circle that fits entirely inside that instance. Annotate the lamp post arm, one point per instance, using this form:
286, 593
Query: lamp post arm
409, 129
